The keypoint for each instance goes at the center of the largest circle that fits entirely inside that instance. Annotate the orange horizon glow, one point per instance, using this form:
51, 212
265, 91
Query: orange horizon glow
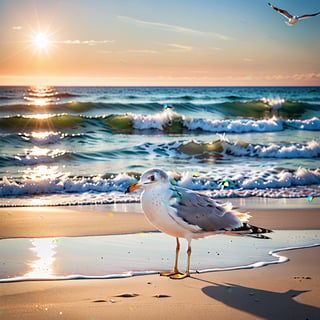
94, 81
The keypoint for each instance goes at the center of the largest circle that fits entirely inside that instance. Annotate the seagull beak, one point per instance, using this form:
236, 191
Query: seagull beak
133, 187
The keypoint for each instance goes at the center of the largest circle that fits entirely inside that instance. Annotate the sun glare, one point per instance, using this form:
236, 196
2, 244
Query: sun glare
41, 41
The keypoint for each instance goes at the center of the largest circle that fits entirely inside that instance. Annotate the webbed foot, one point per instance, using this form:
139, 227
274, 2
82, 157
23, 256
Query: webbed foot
179, 276
169, 273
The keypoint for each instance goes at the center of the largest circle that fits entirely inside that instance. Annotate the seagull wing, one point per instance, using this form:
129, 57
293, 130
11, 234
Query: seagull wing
199, 210
281, 11
305, 16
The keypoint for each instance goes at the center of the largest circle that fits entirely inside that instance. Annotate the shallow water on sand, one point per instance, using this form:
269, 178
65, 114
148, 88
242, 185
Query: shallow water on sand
138, 254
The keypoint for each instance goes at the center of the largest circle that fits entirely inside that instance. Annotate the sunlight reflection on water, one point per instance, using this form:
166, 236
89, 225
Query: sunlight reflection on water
40, 96
42, 265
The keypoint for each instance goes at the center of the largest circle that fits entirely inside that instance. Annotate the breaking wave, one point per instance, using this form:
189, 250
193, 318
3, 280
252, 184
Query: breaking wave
166, 121
249, 182
223, 146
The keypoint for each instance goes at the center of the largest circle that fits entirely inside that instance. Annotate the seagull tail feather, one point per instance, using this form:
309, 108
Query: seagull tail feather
252, 231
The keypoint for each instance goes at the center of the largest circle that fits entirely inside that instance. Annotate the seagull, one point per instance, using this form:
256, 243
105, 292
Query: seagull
183, 213
292, 19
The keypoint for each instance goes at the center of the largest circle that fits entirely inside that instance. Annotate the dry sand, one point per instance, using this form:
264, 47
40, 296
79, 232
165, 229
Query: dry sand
284, 291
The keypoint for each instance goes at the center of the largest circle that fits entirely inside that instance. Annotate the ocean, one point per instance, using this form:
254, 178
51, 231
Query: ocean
85, 145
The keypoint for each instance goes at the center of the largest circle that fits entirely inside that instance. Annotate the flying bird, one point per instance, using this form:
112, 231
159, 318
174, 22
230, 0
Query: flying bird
183, 213
292, 19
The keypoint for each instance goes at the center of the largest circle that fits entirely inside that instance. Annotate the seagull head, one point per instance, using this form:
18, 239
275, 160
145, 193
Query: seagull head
150, 179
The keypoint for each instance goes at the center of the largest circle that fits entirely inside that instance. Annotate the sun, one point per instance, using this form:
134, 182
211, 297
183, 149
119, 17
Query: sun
41, 41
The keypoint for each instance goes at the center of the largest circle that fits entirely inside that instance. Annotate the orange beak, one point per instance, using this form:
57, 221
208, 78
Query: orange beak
133, 187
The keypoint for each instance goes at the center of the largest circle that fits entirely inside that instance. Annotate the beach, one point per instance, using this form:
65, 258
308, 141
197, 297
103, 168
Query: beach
279, 291
99, 98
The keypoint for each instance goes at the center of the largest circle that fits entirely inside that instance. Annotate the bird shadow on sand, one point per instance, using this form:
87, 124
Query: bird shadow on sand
262, 303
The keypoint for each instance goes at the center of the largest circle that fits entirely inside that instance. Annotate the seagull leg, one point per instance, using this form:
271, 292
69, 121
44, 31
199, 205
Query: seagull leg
179, 276
175, 269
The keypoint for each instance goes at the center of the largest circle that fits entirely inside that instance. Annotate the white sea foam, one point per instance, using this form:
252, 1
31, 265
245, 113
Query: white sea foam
236, 126
261, 182
258, 179
310, 149
37, 183
309, 124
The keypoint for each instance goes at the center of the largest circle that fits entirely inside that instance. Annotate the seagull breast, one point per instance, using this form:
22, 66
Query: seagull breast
157, 209
292, 21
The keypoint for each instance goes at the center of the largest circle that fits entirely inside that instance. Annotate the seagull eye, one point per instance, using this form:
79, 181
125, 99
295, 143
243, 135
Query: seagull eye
152, 177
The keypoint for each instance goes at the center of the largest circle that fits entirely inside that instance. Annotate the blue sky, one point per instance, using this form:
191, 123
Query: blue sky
147, 42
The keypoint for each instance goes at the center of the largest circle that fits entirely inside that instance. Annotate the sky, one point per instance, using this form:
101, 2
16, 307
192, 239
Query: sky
149, 42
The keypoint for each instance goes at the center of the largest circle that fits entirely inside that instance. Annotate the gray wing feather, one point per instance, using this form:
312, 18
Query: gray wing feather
308, 15
200, 210
281, 11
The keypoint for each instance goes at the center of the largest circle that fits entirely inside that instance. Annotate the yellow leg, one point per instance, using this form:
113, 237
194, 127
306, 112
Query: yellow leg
175, 268
179, 276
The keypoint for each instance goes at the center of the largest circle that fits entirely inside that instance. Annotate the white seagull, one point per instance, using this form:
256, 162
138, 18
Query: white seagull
292, 19
183, 213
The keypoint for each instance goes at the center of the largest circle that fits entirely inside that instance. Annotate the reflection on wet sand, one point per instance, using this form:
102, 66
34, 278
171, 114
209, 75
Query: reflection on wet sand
42, 266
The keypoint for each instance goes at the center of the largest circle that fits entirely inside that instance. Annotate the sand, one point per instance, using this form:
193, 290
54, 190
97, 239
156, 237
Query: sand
284, 291
34, 222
